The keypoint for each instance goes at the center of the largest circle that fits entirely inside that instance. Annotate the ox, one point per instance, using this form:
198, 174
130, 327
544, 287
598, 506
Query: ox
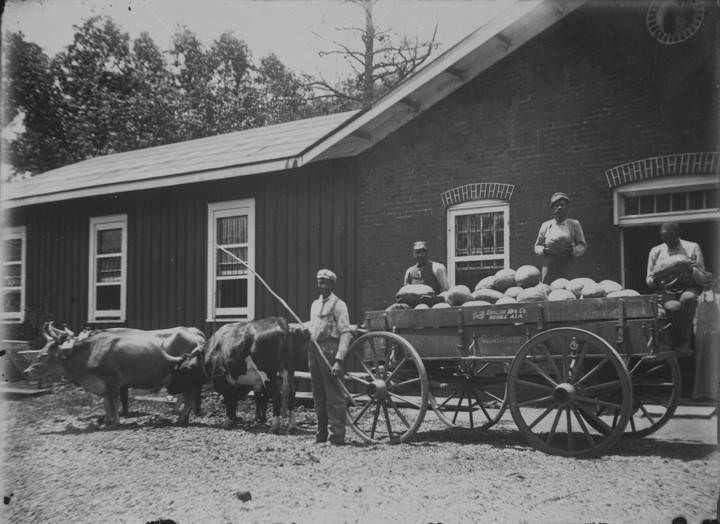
108, 362
258, 355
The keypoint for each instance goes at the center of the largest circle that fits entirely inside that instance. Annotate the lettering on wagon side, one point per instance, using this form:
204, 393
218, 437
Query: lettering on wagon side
511, 313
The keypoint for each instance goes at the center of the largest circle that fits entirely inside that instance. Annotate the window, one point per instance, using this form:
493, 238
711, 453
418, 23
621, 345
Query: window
13, 275
108, 268
679, 199
231, 233
478, 238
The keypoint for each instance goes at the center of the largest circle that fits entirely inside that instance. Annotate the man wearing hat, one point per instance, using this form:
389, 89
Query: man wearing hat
559, 241
426, 271
330, 327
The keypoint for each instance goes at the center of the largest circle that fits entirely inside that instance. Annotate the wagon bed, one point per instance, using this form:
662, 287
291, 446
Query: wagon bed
575, 375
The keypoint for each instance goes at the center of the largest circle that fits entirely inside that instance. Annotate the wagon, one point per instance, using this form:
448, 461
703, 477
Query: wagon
575, 375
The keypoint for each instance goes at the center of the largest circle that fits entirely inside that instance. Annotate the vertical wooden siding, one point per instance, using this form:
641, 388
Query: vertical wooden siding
305, 220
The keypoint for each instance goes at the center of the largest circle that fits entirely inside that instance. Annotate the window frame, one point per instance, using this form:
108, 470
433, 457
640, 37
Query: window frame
474, 208
99, 224
9, 234
664, 185
217, 210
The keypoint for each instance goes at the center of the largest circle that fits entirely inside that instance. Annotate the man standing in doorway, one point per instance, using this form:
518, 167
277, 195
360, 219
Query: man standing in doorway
426, 271
330, 327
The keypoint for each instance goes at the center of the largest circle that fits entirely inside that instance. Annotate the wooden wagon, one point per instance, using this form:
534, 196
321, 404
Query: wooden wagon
575, 375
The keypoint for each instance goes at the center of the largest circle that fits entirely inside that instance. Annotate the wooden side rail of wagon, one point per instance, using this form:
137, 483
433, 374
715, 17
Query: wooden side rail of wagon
576, 375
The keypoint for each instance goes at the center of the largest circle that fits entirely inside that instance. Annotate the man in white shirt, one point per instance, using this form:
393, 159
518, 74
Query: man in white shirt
330, 327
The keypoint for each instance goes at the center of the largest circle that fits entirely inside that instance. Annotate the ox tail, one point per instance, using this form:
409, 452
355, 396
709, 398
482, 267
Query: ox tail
285, 393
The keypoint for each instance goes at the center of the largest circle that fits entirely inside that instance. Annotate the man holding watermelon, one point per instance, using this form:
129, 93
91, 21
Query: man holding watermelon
559, 241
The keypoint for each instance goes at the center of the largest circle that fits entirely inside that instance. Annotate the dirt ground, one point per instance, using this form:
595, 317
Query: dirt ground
60, 467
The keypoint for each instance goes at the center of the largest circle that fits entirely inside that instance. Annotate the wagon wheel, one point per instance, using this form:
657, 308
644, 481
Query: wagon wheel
470, 394
656, 386
387, 381
558, 381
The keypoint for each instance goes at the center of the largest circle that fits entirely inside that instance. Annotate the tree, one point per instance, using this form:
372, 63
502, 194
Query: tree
103, 94
384, 61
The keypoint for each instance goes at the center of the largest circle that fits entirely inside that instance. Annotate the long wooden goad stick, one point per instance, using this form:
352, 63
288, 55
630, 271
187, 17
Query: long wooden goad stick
315, 345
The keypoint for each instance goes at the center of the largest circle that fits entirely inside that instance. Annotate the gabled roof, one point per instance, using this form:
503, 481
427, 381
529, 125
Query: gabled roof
293, 144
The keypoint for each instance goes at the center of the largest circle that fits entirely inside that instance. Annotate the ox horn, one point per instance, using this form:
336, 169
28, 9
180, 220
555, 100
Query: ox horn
172, 359
55, 332
67, 331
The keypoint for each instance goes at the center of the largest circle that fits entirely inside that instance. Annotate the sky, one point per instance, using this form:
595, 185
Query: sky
295, 30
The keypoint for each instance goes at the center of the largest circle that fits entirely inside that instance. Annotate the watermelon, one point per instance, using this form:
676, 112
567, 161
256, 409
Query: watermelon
560, 283
458, 295
610, 286
593, 291
532, 294
527, 276
485, 283
559, 245
413, 294
505, 300
441, 305
672, 305
504, 279
582, 280
488, 295
397, 306
672, 266
513, 291
575, 287
623, 293
561, 294
544, 288
473, 303
422, 306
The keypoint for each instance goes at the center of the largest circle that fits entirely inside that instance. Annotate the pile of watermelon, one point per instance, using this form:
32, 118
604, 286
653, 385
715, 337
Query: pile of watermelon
509, 286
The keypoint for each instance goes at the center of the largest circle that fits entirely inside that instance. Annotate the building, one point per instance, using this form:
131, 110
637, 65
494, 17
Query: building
613, 102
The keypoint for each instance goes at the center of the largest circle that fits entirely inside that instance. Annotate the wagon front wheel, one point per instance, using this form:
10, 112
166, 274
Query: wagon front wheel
558, 382
389, 387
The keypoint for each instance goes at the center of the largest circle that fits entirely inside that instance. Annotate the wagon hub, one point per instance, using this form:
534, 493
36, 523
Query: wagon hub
564, 394
378, 389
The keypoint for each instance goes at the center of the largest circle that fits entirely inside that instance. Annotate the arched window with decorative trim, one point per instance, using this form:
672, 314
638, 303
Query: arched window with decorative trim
478, 231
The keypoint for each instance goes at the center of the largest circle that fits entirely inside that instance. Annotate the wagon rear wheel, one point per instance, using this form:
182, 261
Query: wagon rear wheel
469, 394
656, 386
557, 383
387, 381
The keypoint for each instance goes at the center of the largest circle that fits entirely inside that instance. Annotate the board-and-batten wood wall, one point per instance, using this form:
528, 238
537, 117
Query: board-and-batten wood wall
305, 219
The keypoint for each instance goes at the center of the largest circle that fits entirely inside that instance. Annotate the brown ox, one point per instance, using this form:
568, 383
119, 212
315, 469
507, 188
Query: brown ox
110, 361
257, 355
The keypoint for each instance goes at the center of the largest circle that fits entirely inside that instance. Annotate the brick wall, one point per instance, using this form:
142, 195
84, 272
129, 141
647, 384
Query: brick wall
590, 93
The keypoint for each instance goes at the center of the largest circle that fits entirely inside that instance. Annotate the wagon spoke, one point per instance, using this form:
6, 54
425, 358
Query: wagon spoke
541, 416
632, 424
647, 415
584, 428
483, 368
589, 416
541, 372
533, 385
470, 412
387, 421
594, 370
479, 403
397, 368
577, 361
448, 399
600, 387
403, 399
407, 382
598, 402
363, 411
534, 401
368, 370
375, 419
457, 407
546, 350
568, 419
353, 376
636, 366
399, 414
658, 402
554, 426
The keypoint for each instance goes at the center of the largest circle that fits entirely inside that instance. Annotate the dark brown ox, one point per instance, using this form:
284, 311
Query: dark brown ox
110, 361
258, 356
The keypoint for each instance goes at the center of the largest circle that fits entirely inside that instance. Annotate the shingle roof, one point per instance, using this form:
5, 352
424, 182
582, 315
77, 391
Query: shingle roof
250, 147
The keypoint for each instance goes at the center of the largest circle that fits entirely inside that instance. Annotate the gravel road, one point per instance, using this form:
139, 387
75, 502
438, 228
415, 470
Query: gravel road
60, 467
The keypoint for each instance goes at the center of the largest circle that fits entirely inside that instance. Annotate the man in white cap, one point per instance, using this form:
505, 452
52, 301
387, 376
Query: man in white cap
426, 271
559, 241
330, 327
